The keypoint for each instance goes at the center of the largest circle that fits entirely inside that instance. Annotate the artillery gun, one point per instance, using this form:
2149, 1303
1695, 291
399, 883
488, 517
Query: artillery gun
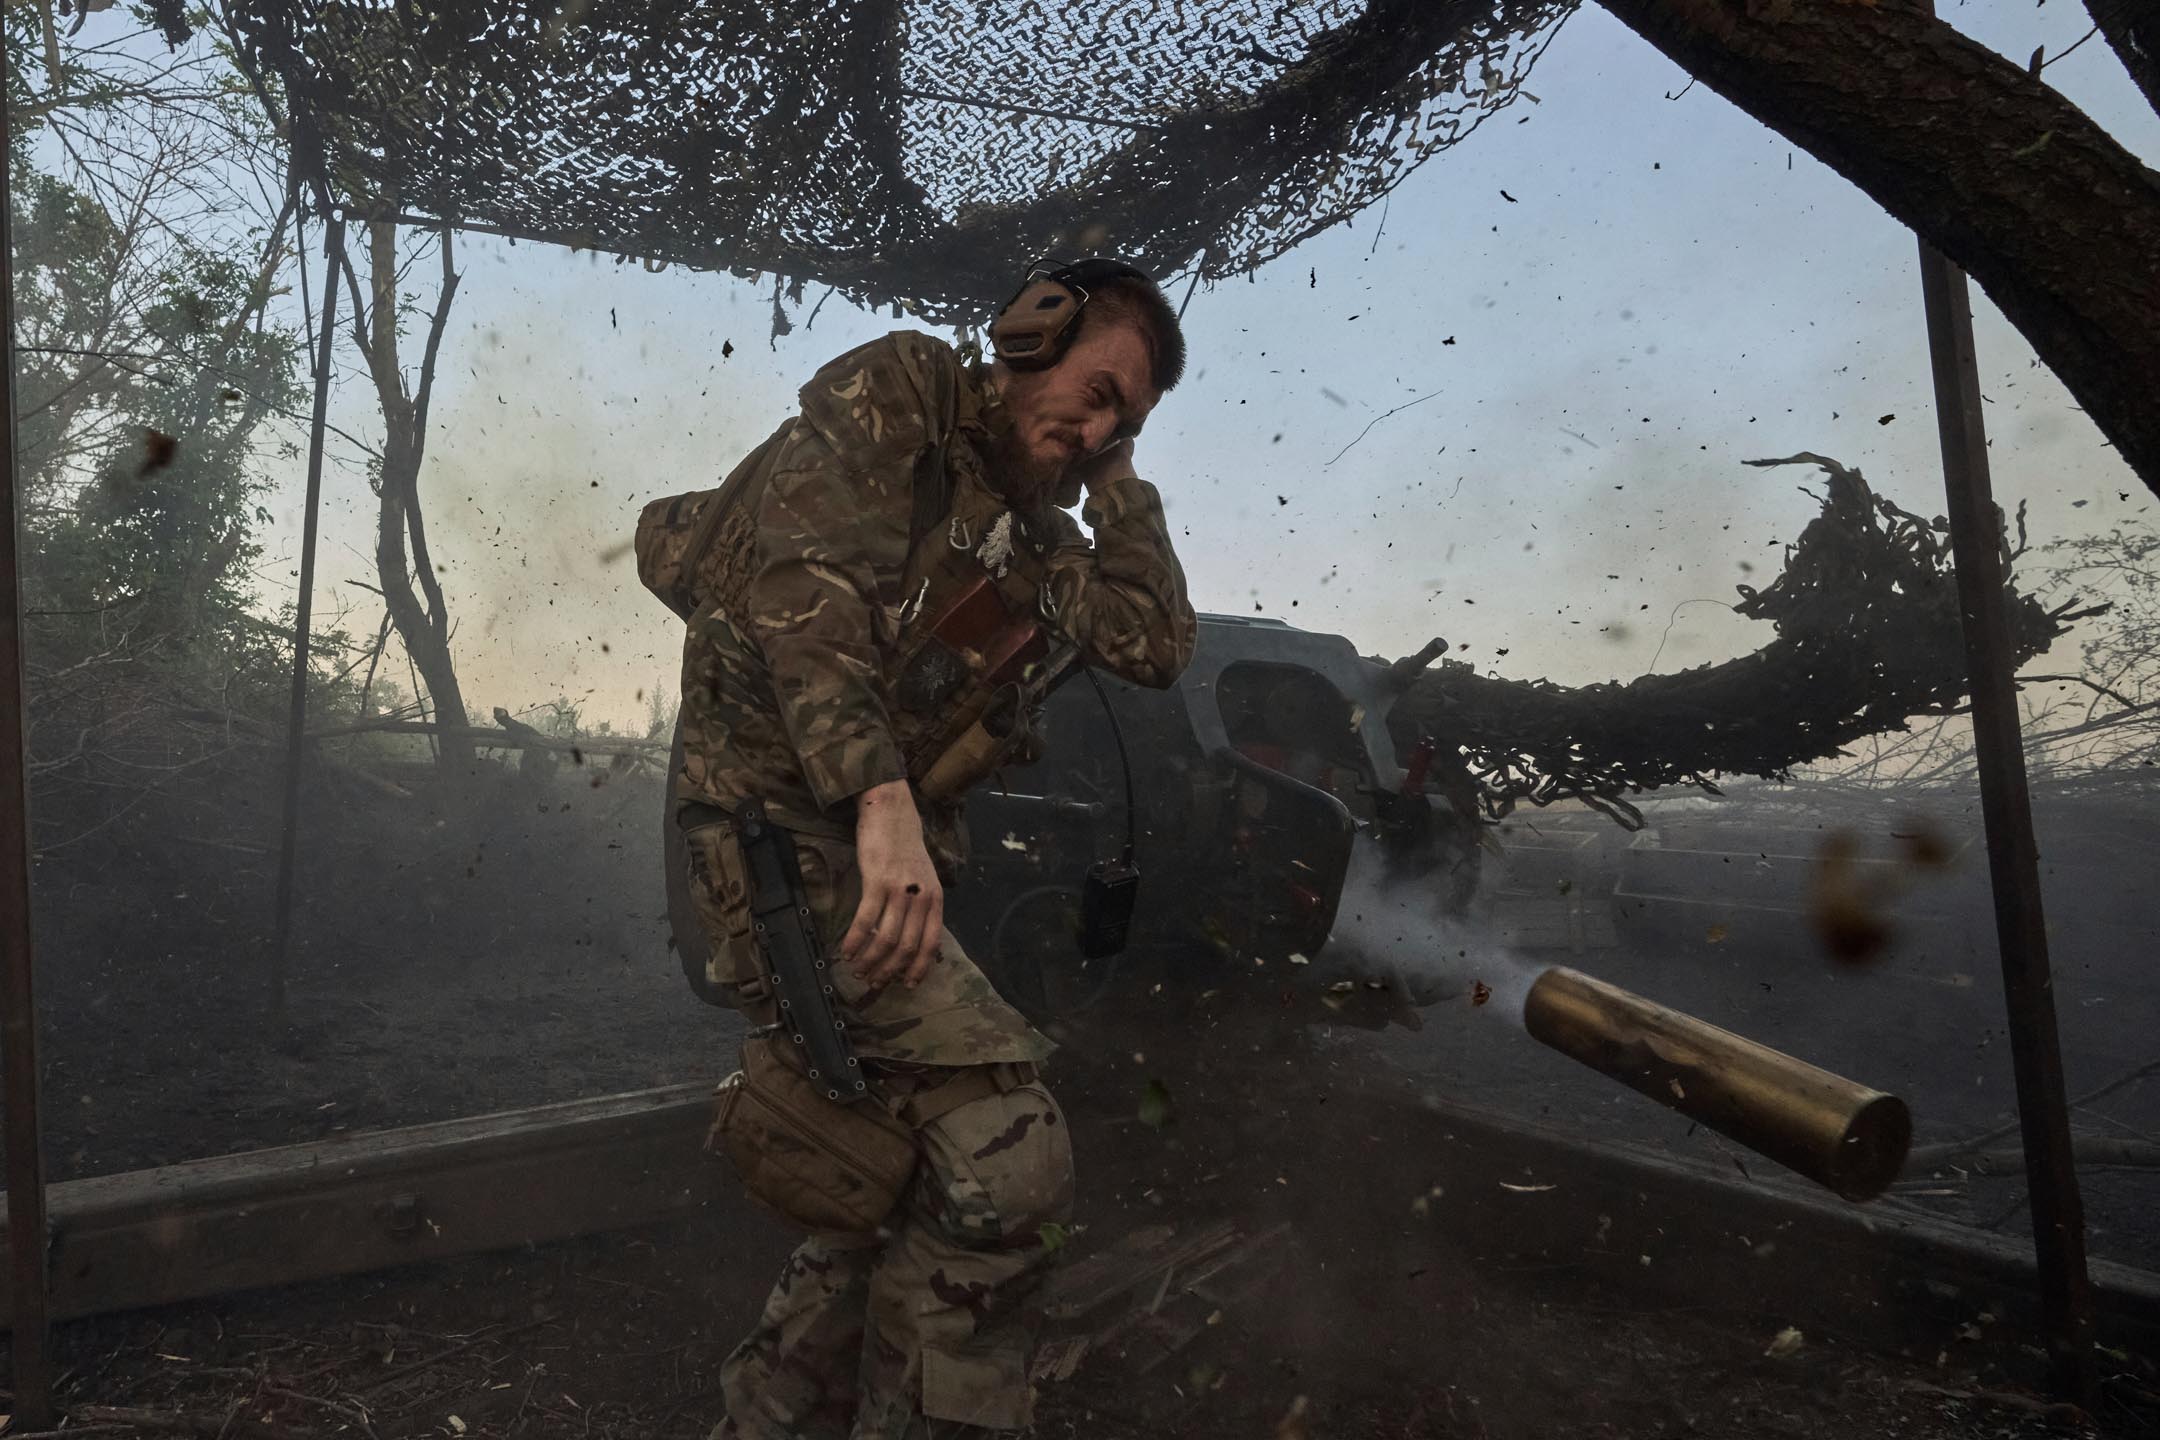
1255, 777
1259, 775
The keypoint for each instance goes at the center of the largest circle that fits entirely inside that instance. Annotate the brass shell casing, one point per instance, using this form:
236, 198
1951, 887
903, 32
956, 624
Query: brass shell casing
1838, 1133
965, 761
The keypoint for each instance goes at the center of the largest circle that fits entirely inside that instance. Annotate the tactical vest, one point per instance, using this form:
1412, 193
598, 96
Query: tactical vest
973, 628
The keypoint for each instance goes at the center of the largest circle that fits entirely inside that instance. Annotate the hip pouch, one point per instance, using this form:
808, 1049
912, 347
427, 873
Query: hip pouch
799, 1122
828, 1168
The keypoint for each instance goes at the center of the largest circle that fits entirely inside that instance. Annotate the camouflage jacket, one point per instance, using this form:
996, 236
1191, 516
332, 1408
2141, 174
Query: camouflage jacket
788, 695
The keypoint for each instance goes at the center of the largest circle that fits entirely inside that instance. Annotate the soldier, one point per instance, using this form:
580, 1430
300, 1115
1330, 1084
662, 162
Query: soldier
915, 481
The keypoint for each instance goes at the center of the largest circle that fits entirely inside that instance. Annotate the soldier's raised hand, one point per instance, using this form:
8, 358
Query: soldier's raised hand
1113, 462
901, 919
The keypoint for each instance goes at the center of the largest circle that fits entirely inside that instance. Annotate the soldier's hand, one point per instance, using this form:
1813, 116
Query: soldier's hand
897, 927
1112, 463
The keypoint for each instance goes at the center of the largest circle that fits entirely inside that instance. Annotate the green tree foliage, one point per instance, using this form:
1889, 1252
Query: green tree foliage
141, 432
160, 386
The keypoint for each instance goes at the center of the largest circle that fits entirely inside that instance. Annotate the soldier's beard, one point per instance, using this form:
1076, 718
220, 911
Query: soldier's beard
1026, 480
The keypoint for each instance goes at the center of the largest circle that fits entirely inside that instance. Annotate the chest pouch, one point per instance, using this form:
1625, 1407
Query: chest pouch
976, 636
977, 647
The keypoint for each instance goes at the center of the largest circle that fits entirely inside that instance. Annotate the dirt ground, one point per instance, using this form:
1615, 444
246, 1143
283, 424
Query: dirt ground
624, 1337
1350, 1311
514, 953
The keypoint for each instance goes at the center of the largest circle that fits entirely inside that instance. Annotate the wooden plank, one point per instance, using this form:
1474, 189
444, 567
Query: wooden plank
1240, 1274
380, 1198
1079, 1285
1140, 1257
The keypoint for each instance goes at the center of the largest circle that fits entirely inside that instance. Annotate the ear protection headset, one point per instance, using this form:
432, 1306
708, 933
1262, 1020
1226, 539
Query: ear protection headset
1036, 327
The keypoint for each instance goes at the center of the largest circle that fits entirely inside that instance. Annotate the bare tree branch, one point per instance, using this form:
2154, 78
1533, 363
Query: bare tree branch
2132, 28
2056, 219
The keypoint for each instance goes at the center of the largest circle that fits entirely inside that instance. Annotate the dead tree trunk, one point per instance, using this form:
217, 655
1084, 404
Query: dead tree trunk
423, 624
2058, 222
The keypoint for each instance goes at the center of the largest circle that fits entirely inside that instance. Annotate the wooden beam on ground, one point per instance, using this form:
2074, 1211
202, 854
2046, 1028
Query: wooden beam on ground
378, 1199
1880, 1275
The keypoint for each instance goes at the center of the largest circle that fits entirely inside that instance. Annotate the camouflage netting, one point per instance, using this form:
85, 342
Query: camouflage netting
1868, 635
905, 153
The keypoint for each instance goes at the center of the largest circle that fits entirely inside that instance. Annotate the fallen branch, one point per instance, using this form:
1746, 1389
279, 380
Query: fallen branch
2054, 218
2054, 1411
2105, 722
387, 788
1868, 636
1925, 1156
351, 1412
179, 1422
2085, 1149
499, 739
2116, 695
403, 1371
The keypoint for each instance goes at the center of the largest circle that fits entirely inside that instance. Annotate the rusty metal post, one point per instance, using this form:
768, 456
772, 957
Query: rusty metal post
18, 993
2058, 1213
303, 610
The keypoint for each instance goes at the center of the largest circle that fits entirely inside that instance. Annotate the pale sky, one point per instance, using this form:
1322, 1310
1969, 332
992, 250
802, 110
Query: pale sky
1673, 290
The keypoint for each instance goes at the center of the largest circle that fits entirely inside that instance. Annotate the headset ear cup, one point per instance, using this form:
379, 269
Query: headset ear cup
1036, 325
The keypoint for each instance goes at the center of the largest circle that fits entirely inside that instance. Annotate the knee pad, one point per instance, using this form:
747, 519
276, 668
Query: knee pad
999, 1169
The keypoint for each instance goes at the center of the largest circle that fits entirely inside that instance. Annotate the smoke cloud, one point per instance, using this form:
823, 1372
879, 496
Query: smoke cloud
1390, 928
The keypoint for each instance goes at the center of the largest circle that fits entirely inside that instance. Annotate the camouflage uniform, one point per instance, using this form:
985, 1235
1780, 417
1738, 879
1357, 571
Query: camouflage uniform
926, 1327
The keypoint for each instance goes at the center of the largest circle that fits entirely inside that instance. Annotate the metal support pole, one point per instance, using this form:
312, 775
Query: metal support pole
2058, 1213
303, 609
18, 994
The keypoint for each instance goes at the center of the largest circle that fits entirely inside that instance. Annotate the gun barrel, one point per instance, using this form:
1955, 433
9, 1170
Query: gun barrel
1830, 1129
1401, 672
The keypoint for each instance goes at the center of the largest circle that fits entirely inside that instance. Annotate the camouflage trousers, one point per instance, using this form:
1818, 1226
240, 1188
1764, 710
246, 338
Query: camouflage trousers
926, 1329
